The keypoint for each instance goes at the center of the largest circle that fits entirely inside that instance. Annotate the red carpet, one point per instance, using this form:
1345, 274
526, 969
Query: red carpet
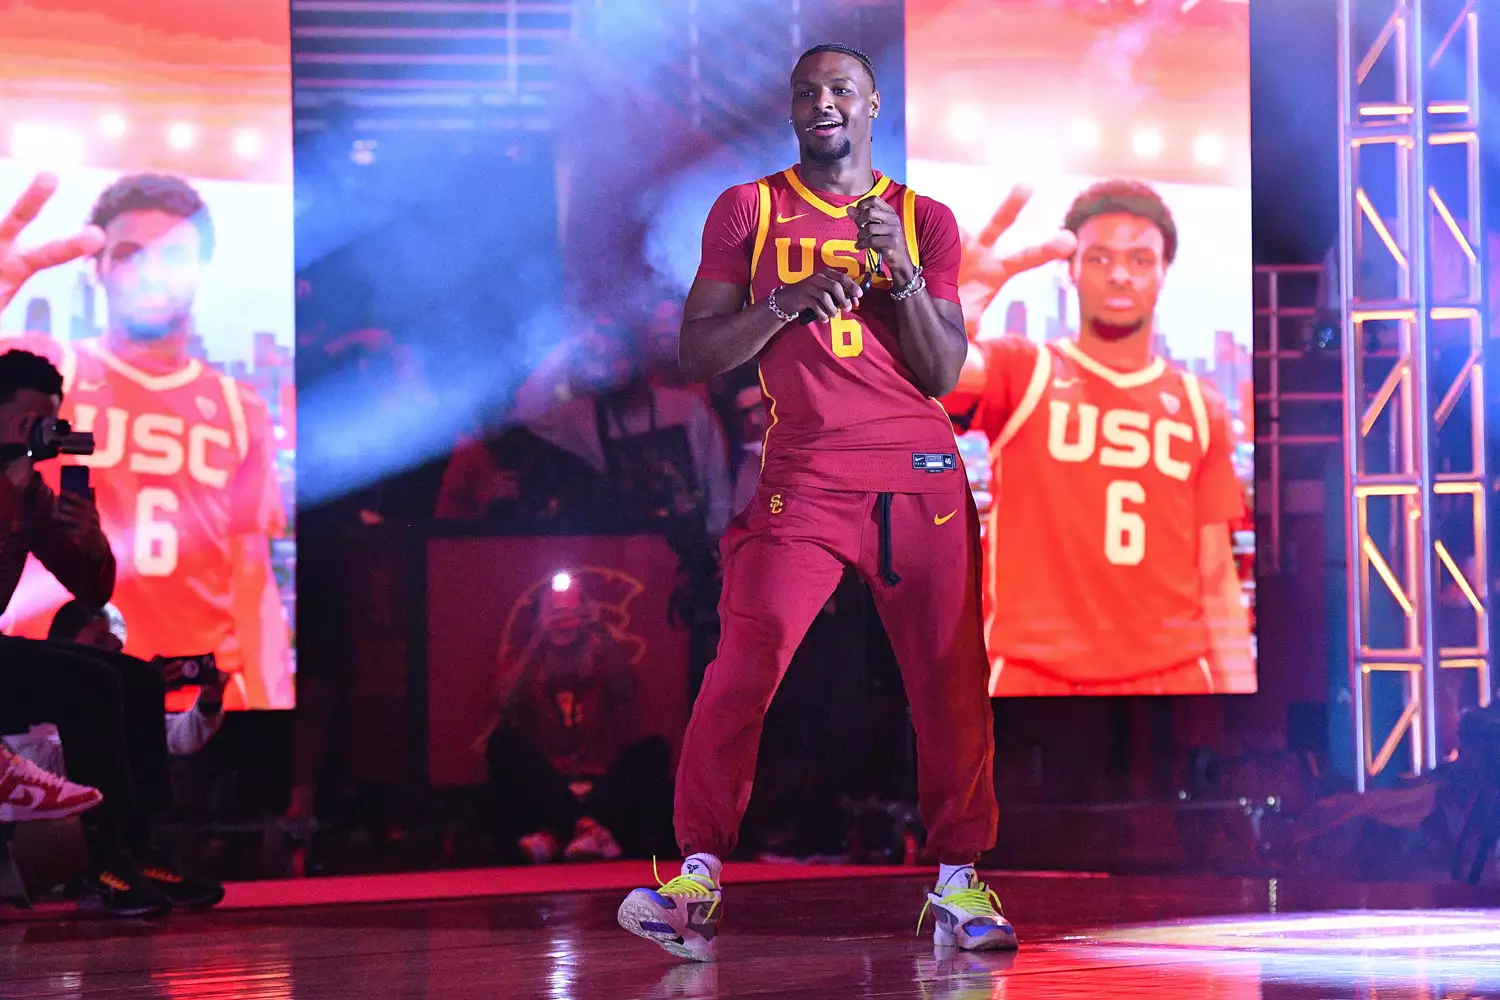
493, 882
478, 882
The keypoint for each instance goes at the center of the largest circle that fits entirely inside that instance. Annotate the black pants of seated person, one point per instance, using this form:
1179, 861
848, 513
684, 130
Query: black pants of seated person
633, 800
108, 709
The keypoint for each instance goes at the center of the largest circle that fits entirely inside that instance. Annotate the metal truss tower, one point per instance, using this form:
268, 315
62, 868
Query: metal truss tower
1412, 265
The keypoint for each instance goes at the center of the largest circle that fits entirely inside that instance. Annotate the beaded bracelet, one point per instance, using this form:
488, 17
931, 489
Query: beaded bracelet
917, 284
785, 317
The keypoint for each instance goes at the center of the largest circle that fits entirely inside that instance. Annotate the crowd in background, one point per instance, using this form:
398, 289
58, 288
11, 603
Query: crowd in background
604, 434
607, 412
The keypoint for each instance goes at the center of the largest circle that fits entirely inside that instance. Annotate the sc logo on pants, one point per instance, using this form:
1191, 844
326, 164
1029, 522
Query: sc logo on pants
776, 505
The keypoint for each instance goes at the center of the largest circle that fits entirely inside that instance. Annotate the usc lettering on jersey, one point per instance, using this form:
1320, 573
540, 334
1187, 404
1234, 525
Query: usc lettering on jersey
183, 468
1102, 482
845, 411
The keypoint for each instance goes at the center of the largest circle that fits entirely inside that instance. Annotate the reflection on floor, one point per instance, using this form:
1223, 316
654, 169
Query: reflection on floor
821, 938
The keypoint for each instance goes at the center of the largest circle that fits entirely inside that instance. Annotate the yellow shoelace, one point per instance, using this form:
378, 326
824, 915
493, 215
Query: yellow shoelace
978, 900
684, 886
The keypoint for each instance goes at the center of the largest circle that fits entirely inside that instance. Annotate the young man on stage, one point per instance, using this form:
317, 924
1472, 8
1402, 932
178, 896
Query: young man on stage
860, 469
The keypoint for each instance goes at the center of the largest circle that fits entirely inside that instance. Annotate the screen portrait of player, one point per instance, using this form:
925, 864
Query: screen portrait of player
1109, 303
175, 340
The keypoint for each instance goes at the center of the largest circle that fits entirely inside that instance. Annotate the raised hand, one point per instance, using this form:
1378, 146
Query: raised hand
211, 692
880, 229
18, 265
983, 273
78, 516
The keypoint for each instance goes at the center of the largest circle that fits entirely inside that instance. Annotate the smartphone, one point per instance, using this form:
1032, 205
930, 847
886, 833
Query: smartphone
195, 670
75, 480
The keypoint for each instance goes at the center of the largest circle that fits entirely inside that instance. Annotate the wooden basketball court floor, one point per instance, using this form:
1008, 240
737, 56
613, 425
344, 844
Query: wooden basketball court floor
789, 932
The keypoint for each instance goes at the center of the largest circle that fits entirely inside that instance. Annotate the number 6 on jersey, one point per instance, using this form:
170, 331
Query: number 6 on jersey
1124, 530
155, 547
848, 336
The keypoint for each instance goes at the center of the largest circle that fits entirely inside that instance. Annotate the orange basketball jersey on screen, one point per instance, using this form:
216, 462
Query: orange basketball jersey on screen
182, 466
1102, 482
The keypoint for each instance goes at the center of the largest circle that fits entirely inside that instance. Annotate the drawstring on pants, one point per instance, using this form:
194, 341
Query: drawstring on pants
887, 569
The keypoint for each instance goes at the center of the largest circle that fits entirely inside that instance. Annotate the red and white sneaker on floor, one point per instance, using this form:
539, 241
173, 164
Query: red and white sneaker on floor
592, 842
27, 792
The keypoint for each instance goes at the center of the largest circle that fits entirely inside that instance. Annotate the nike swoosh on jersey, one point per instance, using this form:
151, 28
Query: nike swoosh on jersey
788, 218
944, 519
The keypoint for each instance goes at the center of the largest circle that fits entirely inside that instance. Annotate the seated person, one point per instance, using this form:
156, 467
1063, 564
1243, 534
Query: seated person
103, 628
107, 706
558, 772
27, 792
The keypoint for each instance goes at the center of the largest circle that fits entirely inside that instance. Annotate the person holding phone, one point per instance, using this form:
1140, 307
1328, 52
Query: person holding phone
26, 792
107, 707
83, 624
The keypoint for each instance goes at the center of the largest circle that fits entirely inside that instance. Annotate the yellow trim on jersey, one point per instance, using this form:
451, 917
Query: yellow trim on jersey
765, 441
1122, 380
1041, 374
1199, 408
832, 211
762, 228
909, 224
155, 383
236, 408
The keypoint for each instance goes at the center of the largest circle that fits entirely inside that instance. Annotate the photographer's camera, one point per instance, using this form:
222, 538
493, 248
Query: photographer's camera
53, 437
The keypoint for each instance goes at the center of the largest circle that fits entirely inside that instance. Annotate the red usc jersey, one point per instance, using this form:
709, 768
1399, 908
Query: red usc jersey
1102, 482
183, 464
845, 412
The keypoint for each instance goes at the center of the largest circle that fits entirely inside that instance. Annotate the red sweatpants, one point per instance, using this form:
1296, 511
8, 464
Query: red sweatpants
783, 557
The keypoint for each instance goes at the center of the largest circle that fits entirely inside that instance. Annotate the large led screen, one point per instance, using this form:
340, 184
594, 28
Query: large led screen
1116, 404
168, 125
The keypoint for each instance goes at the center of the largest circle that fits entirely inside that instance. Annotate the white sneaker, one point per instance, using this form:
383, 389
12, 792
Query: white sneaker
968, 917
27, 792
681, 915
592, 842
